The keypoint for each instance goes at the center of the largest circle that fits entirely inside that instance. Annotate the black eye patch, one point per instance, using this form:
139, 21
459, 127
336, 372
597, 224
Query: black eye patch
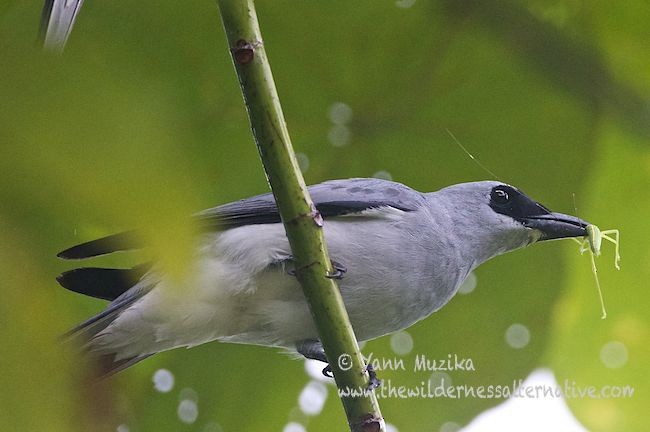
500, 195
509, 201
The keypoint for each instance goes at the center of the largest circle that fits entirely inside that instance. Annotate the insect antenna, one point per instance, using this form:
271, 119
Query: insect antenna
471, 156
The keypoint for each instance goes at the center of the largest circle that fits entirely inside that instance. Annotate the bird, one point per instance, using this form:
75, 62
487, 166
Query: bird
400, 256
57, 20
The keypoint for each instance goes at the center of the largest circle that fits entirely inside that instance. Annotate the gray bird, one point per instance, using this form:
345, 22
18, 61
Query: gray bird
401, 256
57, 19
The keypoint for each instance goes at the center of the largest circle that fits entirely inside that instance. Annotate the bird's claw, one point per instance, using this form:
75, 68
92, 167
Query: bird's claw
339, 270
373, 381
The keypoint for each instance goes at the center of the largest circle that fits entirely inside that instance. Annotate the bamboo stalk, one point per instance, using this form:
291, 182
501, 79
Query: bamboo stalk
302, 222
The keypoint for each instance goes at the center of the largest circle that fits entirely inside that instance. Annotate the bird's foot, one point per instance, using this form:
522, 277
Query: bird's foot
339, 270
337, 273
313, 349
373, 381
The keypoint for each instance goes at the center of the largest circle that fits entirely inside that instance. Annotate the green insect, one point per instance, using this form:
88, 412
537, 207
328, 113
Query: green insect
592, 242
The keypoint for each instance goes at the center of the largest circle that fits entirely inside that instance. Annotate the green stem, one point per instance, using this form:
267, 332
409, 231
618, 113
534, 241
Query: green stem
303, 224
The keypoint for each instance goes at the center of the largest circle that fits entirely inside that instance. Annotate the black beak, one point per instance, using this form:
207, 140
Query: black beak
556, 225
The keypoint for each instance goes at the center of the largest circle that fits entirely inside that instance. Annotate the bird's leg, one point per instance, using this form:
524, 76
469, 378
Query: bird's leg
339, 269
289, 267
373, 381
313, 349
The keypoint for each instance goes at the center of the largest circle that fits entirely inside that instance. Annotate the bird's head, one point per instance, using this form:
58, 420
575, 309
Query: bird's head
494, 218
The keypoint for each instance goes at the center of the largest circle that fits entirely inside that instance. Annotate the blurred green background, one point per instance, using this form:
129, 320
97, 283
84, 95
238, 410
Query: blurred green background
141, 122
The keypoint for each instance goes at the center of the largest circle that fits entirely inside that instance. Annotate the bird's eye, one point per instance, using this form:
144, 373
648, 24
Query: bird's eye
500, 196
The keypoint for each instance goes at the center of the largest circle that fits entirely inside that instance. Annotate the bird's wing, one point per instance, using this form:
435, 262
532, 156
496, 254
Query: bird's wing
332, 198
57, 19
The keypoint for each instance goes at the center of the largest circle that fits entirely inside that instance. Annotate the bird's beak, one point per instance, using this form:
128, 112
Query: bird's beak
556, 225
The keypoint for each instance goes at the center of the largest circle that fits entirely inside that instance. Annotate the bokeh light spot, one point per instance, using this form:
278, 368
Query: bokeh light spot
614, 354
340, 113
469, 284
294, 427
401, 343
312, 398
339, 135
517, 336
450, 427
188, 411
383, 174
163, 380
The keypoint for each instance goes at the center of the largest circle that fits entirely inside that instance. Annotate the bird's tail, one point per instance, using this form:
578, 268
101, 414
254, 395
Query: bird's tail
124, 287
57, 19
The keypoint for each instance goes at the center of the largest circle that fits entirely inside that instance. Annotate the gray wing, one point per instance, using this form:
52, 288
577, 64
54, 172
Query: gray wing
332, 198
57, 19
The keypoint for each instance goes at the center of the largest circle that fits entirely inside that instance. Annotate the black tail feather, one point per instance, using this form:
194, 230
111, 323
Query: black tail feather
103, 283
113, 243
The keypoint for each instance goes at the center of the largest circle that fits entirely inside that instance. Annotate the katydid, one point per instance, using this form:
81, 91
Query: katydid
591, 243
